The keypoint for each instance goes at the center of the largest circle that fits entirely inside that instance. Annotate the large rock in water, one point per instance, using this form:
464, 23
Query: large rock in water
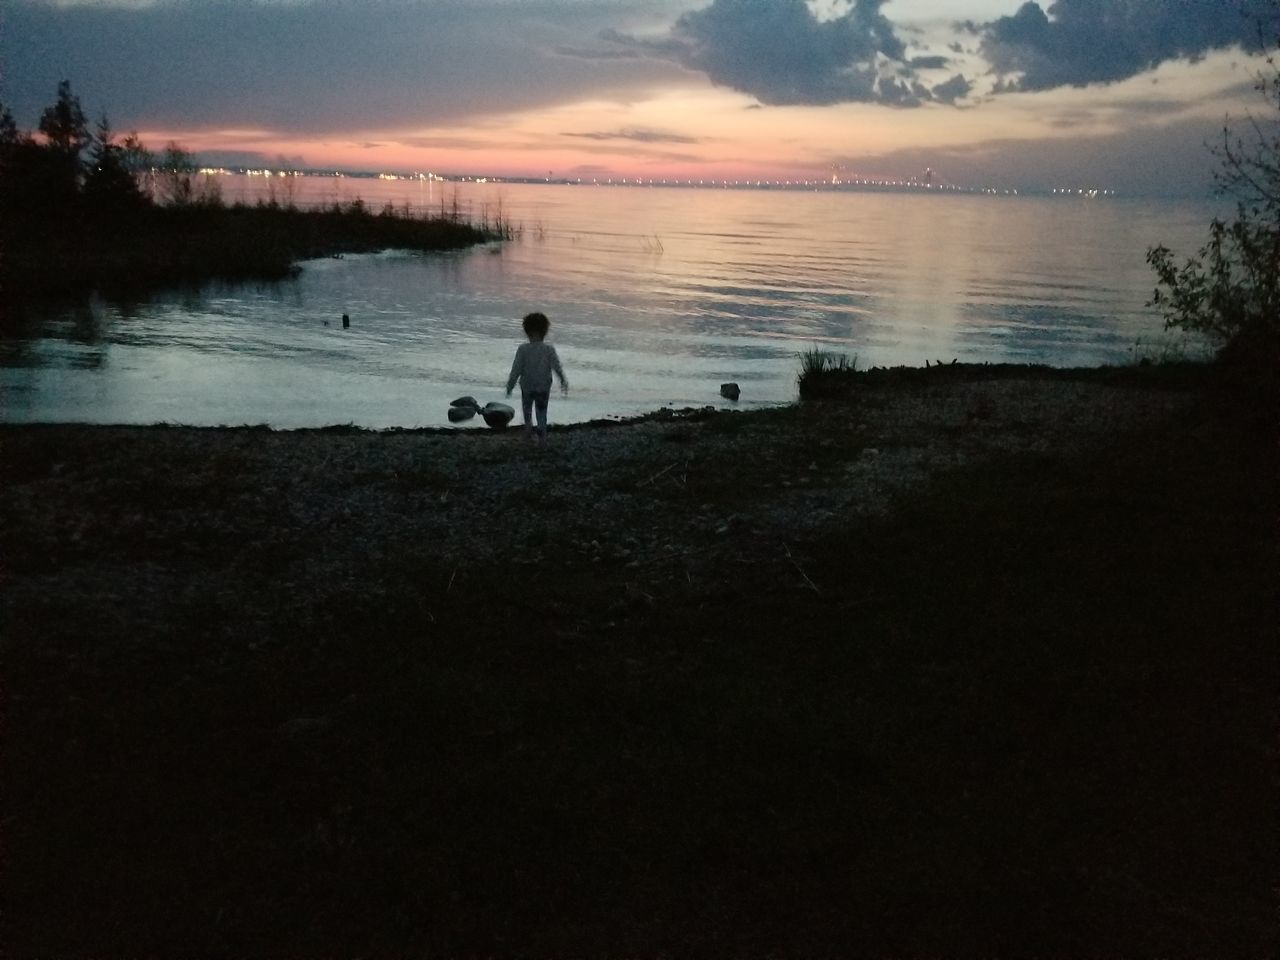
471, 402
458, 414
497, 415
729, 391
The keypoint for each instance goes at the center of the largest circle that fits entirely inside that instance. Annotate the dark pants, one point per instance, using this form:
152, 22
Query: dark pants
535, 401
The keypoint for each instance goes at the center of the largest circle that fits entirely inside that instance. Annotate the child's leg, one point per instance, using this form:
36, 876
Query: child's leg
526, 407
540, 405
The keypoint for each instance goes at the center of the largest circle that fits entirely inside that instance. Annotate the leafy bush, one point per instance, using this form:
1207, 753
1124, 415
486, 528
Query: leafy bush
1230, 291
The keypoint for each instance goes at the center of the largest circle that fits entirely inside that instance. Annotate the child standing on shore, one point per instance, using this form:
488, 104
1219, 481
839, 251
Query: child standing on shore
534, 363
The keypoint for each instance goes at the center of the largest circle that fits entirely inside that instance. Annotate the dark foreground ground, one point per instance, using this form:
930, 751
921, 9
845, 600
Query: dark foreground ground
1026, 709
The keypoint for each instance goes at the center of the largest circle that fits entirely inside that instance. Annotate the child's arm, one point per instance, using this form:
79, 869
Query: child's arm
559, 371
516, 367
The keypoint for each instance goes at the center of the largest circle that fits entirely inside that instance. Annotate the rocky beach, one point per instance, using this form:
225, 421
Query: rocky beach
941, 667
656, 494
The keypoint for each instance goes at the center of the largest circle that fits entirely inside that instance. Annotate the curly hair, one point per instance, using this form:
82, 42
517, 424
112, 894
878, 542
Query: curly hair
536, 324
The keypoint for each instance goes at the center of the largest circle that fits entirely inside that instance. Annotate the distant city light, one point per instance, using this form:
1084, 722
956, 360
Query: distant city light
929, 181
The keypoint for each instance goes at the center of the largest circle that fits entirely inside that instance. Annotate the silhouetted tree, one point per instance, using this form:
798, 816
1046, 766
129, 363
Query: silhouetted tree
64, 124
56, 171
175, 179
139, 161
178, 183
36, 180
9, 135
1230, 291
109, 186
10, 140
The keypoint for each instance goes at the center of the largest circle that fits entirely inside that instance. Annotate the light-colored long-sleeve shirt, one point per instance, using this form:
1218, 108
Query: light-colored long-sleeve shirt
533, 366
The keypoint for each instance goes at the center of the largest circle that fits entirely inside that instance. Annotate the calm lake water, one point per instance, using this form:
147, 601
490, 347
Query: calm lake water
656, 297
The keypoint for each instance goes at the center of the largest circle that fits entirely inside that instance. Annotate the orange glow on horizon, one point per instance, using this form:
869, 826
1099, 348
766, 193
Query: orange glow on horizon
705, 133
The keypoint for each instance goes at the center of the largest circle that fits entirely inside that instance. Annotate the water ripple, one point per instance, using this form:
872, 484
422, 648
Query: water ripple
655, 296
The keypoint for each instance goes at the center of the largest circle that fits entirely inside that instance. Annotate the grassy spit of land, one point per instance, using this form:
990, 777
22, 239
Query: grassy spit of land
137, 250
951, 665
83, 211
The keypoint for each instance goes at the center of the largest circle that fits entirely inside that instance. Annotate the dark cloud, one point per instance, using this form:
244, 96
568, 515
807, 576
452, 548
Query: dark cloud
1133, 111
780, 52
316, 66
930, 63
590, 53
957, 88
327, 67
636, 134
1078, 42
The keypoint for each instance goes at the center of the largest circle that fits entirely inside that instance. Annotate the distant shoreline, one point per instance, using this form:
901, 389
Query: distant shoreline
837, 184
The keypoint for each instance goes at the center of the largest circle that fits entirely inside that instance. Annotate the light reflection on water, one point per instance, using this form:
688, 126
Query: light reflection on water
656, 297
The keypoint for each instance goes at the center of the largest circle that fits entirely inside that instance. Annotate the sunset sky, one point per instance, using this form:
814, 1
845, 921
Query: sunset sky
1111, 93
